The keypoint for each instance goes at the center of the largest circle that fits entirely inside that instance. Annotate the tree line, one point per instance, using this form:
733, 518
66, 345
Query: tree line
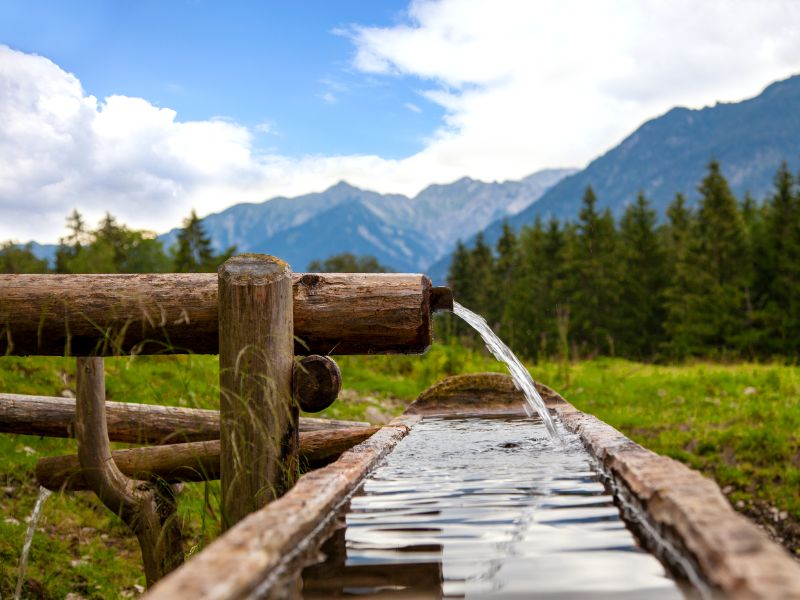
720, 280
114, 248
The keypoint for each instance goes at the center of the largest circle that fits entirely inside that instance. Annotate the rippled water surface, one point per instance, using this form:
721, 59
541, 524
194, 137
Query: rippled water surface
485, 508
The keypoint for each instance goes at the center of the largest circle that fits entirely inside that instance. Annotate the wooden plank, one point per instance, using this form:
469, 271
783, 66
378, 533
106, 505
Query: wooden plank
334, 313
128, 422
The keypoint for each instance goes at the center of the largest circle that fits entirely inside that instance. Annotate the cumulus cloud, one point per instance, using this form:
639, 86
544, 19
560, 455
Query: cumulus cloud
524, 85
555, 82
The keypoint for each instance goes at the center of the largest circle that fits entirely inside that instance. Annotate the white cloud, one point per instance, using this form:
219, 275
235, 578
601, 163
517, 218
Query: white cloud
329, 97
413, 107
555, 82
524, 85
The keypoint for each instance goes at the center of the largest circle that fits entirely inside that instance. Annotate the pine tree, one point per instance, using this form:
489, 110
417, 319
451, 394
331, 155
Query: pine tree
676, 243
193, 252
458, 274
458, 280
642, 279
481, 264
592, 279
503, 274
779, 267
534, 297
70, 245
715, 273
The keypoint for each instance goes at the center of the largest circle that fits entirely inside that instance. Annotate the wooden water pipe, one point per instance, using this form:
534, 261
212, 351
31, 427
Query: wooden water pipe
170, 313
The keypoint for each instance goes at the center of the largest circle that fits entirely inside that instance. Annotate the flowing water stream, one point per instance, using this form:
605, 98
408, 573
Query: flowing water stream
44, 493
522, 379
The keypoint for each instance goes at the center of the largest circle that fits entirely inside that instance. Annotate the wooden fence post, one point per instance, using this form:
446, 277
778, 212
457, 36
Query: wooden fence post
258, 418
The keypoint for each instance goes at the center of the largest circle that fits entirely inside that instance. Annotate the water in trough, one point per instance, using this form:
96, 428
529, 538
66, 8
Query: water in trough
485, 508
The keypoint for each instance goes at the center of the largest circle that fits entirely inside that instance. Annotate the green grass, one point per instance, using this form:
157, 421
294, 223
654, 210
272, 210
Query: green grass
737, 423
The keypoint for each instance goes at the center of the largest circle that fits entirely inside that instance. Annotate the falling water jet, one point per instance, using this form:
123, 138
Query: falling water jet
522, 379
44, 493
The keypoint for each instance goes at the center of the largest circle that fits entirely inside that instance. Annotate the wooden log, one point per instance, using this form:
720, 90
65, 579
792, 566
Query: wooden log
258, 415
128, 422
316, 382
193, 461
334, 313
149, 510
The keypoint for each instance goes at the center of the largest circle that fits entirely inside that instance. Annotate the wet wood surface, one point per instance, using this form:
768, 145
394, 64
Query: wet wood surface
127, 421
334, 313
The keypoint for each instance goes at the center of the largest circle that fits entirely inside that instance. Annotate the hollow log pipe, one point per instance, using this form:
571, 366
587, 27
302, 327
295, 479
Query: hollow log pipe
128, 422
172, 313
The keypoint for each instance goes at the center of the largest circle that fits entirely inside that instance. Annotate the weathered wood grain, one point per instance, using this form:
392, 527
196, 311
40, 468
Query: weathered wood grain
193, 461
334, 313
258, 415
149, 510
316, 382
128, 422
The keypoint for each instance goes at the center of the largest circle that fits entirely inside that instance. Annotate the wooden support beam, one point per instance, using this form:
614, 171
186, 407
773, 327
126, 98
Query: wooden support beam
128, 422
148, 509
334, 313
258, 415
194, 461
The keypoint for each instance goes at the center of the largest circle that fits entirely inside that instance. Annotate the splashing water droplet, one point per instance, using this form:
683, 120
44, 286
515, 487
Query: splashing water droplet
522, 379
26, 546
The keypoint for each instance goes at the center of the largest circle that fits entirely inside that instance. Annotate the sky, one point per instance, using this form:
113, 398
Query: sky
151, 109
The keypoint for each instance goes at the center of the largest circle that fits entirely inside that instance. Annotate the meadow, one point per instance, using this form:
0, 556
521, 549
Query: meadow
737, 423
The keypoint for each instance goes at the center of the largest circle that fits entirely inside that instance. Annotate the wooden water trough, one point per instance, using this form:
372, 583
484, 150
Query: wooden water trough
679, 515
257, 315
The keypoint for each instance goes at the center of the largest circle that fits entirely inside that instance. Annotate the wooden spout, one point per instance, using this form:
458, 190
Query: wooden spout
441, 299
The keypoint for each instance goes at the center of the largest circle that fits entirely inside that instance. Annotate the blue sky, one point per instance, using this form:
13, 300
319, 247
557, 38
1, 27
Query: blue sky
151, 109
274, 63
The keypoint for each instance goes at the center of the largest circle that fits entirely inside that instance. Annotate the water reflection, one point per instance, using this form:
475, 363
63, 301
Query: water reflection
485, 508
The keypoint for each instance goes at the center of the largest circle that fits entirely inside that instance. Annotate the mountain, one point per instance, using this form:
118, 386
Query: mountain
403, 233
670, 154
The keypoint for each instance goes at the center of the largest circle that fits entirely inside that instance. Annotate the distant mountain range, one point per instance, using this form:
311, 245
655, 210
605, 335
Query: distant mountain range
670, 154
664, 156
406, 234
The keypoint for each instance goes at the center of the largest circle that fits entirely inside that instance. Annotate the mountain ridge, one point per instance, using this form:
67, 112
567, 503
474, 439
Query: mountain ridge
669, 154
